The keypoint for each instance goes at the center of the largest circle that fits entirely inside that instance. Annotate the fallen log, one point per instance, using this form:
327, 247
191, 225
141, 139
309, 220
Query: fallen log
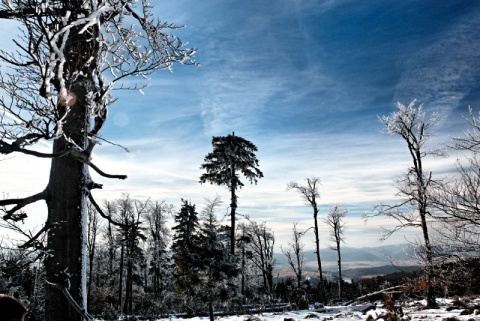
369, 295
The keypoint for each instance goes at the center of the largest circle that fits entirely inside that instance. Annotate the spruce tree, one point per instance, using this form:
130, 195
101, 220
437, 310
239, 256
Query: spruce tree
185, 252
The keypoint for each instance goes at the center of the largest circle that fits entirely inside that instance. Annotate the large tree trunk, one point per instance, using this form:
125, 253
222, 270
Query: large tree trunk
67, 216
70, 182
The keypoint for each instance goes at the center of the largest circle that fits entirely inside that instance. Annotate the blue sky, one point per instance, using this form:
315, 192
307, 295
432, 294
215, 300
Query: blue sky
303, 80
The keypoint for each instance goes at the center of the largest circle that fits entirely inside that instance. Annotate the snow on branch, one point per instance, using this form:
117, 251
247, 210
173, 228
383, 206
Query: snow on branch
62, 46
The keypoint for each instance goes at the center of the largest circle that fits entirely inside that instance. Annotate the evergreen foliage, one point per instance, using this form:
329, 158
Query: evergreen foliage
186, 255
231, 154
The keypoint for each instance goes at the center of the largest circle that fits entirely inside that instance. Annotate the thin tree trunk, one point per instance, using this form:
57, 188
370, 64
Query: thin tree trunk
243, 272
422, 208
120, 283
233, 207
319, 261
127, 308
431, 301
210, 308
91, 254
340, 288
111, 257
299, 270
90, 272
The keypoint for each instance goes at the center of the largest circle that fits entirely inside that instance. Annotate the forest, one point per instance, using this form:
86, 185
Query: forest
140, 266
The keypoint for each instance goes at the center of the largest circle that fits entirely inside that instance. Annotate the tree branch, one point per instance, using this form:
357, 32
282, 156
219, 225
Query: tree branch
20, 203
105, 216
28, 12
83, 312
6, 148
35, 237
99, 171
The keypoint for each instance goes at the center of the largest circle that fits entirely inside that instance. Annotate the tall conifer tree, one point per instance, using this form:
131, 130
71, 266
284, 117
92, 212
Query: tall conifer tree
231, 154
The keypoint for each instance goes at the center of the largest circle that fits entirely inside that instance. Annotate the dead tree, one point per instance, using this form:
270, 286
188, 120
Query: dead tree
295, 254
337, 228
310, 194
414, 209
69, 56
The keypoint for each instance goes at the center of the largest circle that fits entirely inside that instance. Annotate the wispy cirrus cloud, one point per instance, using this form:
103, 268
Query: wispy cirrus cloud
445, 71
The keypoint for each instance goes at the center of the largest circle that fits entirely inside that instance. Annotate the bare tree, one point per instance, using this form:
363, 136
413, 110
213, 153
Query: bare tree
262, 244
70, 54
471, 141
457, 200
295, 254
159, 237
457, 203
414, 187
337, 225
310, 194
93, 228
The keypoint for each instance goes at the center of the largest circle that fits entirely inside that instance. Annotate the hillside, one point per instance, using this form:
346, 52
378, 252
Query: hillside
356, 262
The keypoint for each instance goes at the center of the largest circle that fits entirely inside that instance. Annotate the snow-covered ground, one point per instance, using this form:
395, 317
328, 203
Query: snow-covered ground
448, 311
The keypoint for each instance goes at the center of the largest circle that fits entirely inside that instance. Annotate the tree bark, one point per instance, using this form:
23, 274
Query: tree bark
67, 205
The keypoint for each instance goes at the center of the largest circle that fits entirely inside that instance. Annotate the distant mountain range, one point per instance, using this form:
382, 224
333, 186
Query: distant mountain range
356, 262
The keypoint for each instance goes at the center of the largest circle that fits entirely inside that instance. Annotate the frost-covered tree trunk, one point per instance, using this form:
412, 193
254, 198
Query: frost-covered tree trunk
67, 192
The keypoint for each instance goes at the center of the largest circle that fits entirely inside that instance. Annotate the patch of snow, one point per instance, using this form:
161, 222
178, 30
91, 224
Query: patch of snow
411, 311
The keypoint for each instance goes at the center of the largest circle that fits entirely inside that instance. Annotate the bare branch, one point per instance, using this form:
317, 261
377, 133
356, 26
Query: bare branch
82, 311
20, 203
99, 171
105, 216
6, 148
33, 239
